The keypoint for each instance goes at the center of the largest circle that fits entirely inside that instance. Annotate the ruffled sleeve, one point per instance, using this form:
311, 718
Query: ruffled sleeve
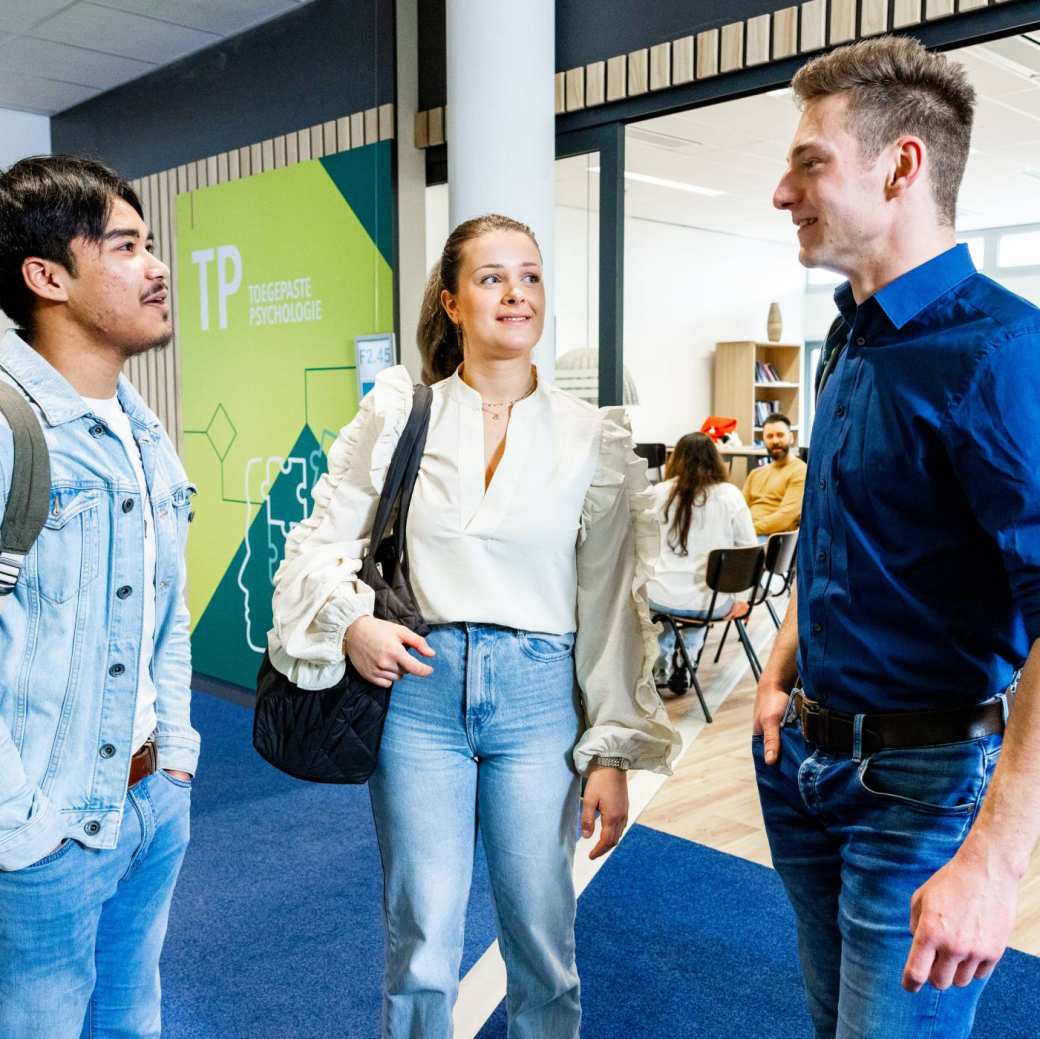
616, 643
317, 595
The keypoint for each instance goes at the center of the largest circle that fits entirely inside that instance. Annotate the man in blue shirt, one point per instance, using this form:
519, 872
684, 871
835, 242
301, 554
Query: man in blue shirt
96, 746
918, 596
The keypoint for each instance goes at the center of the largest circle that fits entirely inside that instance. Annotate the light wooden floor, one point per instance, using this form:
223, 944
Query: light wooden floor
712, 798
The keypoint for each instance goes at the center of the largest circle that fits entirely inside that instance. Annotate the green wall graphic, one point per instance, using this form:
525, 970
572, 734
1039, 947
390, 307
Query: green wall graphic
276, 276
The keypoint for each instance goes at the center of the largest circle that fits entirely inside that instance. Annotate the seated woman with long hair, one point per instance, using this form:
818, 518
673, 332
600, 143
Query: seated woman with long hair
698, 510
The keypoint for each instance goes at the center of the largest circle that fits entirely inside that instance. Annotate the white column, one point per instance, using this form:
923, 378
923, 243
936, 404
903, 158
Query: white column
501, 124
411, 188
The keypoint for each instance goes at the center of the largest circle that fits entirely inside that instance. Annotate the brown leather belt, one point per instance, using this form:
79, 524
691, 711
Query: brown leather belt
832, 731
143, 764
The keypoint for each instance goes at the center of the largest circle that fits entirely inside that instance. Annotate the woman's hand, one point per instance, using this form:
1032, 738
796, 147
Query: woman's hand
606, 792
740, 609
377, 649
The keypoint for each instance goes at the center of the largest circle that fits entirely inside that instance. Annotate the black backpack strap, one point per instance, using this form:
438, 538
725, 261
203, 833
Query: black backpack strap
30, 494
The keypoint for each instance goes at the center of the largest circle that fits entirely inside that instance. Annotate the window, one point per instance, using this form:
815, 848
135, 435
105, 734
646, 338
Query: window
1019, 250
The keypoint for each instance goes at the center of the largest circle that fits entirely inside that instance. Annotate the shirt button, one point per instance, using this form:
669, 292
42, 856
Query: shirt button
823, 485
128, 505
116, 670
839, 411
107, 750
817, 628
861, 341
92, 828
97, 431
125, 592
822, 556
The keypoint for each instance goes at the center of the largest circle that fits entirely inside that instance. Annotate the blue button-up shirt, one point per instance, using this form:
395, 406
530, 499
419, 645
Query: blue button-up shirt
919, 550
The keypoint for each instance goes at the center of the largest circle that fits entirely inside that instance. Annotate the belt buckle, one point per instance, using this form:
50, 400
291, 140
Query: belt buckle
814, 720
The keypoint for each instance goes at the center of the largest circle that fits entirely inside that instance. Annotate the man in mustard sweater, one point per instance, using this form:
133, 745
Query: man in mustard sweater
774, 492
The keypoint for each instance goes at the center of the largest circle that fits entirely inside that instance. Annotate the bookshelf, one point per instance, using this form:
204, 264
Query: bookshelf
744, 371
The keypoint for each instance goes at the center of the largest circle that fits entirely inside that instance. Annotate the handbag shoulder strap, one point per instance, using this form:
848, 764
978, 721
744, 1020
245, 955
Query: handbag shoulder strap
403, 468
30, 493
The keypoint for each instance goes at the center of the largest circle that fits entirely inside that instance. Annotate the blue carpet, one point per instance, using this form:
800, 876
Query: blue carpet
276, 929
675, 939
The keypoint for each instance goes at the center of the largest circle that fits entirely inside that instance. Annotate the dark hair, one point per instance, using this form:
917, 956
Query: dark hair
777, 417
895, 87
440, 342
695, 465
46, 202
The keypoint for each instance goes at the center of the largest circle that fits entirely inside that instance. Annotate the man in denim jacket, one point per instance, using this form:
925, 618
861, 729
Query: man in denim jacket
96, 746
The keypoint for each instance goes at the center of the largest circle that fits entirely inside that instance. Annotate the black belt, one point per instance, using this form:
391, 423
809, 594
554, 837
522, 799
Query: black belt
832, 731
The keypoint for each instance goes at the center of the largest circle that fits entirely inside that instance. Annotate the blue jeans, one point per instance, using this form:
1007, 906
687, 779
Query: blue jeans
852, 841
486, 738
694, 638
81, 930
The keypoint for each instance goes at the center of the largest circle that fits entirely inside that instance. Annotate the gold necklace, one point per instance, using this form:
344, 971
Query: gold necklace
485, 405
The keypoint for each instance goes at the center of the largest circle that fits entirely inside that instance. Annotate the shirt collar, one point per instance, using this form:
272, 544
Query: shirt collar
55, 396
903, 299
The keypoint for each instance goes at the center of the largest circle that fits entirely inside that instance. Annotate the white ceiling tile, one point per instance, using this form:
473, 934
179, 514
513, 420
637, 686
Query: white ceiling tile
219, 16
69, 64
20, 15
44, 96
118, 32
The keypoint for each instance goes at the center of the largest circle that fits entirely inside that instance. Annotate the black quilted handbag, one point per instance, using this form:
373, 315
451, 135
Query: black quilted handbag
332, 735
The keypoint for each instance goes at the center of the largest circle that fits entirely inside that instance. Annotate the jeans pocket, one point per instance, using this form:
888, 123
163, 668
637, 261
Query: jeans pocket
947, 779
59, 853
545, 648
184, 784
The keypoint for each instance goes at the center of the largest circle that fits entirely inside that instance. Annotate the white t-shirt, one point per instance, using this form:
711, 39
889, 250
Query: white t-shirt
144, 715
723, 521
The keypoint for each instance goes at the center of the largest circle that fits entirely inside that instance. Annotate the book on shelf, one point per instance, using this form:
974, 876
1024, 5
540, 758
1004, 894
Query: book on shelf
763, 409
766, 372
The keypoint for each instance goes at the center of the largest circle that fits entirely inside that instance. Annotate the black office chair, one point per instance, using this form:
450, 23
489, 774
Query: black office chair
728, 571
779, 563
654, 455
781, 550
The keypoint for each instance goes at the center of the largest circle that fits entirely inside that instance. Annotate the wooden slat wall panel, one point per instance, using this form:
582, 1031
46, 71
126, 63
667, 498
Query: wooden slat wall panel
804, 28
905, 12
157, 374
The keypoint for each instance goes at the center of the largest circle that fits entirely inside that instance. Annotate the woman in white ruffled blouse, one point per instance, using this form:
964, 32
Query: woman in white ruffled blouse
530, 541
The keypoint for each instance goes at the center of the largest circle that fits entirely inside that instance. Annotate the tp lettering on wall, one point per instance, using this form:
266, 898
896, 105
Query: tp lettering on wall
229, 280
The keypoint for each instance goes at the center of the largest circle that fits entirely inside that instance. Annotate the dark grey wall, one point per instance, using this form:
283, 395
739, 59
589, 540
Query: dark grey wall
590, 30
329, 58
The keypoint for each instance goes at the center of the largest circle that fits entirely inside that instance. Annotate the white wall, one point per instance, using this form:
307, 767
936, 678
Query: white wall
437, 222
685, 290
21, 134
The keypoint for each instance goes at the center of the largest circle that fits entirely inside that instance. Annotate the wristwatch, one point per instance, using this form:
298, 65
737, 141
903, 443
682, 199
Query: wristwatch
618, 763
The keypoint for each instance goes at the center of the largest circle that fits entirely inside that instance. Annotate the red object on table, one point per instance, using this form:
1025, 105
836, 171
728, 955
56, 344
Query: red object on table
718, 427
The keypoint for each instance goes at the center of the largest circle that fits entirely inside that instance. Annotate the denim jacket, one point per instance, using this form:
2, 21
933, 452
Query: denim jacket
70, 633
